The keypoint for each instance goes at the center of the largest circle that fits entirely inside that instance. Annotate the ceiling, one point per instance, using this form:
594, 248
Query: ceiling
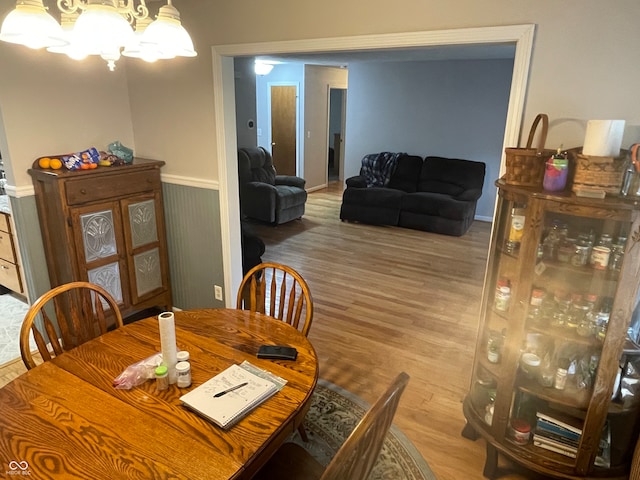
446, 52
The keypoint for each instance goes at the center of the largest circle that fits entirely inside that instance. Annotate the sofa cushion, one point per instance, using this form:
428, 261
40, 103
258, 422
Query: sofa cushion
436, 204
377, 206
256, 165
450, 176
406, 174
289, 196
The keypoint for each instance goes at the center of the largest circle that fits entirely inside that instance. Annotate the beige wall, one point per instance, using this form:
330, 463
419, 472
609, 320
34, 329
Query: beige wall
582, 65
52, 105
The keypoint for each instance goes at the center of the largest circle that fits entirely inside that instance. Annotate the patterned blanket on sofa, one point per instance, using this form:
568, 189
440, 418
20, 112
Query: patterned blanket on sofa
378, 167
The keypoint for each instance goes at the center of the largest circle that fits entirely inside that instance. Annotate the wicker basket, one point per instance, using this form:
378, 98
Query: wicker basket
599, 173
525, 165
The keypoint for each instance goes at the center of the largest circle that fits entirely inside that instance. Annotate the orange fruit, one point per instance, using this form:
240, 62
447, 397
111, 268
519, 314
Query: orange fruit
84, 166
93, 165
44, 162
55, 163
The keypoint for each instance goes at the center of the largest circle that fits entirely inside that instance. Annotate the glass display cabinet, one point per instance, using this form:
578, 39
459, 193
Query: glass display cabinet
556, 376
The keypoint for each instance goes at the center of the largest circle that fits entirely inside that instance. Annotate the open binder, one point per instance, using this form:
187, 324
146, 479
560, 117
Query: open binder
229, 396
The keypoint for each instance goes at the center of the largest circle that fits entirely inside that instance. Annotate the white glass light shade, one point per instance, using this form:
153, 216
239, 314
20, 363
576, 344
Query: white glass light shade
136, 50
30, 25
101, 30
262, 68
71, 50
166, 36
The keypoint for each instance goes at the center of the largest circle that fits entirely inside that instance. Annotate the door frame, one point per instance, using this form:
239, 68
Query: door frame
343, 122
521, 36
299, 169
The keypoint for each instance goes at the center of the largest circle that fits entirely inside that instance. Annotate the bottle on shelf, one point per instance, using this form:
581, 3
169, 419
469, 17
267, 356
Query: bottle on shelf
516, 229
503, 295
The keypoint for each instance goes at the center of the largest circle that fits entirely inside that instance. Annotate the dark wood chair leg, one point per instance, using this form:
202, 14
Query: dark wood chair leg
303, 433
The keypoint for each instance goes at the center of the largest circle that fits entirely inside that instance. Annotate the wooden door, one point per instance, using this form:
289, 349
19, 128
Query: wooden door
283, 128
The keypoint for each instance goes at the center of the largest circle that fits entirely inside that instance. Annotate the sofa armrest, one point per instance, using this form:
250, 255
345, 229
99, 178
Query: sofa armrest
258, 192
356, 182
290, 180
469, 195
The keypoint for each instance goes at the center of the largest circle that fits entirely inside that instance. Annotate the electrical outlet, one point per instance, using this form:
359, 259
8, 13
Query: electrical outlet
217, 292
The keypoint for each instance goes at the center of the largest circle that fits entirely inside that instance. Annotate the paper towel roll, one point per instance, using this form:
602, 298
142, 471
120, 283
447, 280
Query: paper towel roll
603, 138
168, 343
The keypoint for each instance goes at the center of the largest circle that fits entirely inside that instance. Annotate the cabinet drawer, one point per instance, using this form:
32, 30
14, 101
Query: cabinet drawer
5, 224
92, 189
10, 276
7, 251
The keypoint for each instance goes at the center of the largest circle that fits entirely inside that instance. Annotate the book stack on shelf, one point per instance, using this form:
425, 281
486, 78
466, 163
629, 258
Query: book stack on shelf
563, 437
556, 435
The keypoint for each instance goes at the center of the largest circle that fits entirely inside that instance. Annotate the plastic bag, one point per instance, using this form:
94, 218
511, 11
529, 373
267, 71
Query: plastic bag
125, 153
138, 373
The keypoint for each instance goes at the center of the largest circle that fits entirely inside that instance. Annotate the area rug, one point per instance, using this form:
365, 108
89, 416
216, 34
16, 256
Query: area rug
334, 413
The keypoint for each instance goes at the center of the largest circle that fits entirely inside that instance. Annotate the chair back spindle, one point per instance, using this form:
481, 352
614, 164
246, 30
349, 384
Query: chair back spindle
69, 315
278, 291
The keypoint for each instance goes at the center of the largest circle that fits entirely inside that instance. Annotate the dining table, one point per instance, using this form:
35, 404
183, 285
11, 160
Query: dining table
65, 419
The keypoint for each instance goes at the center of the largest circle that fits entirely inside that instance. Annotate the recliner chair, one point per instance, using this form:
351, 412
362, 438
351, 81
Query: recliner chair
264, 195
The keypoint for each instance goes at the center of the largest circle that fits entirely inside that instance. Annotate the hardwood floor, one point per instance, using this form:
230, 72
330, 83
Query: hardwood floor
387, 300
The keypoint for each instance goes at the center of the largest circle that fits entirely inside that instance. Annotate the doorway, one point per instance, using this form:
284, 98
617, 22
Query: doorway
283, 101
337, 118
520, 36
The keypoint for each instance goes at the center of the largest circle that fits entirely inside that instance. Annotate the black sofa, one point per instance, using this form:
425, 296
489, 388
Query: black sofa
264, 195
436, 194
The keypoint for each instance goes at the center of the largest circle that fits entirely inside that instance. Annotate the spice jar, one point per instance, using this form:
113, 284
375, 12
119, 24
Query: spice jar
183, 372
529, 363
162, 378
600, 257
617, 254
503, 295
561, 378
494, 347
519, 431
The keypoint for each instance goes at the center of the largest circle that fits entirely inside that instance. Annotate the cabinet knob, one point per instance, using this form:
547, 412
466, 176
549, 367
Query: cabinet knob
83, 191
4, 267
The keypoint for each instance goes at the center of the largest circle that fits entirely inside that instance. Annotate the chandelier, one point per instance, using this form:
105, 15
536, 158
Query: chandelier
108, 28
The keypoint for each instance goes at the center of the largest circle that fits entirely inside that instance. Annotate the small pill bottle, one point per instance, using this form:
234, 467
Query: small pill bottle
162, 377
183, 371
182, 356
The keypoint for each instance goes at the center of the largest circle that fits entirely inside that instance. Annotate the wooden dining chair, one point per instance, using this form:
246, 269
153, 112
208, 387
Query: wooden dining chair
279, 291
65, 317
357, 455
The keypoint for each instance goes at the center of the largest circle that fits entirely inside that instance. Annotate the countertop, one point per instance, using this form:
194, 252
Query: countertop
4, 204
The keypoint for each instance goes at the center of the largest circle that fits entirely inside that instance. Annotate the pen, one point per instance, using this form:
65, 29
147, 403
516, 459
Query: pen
219, 394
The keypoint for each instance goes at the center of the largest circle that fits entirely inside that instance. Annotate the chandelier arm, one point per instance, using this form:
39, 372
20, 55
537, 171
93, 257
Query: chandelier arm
69, 6
132, 12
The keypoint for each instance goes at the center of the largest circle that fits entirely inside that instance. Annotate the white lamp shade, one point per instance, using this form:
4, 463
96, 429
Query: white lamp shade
30, 25
166, 36
262, 68
72, 51
136, 50
100, 30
